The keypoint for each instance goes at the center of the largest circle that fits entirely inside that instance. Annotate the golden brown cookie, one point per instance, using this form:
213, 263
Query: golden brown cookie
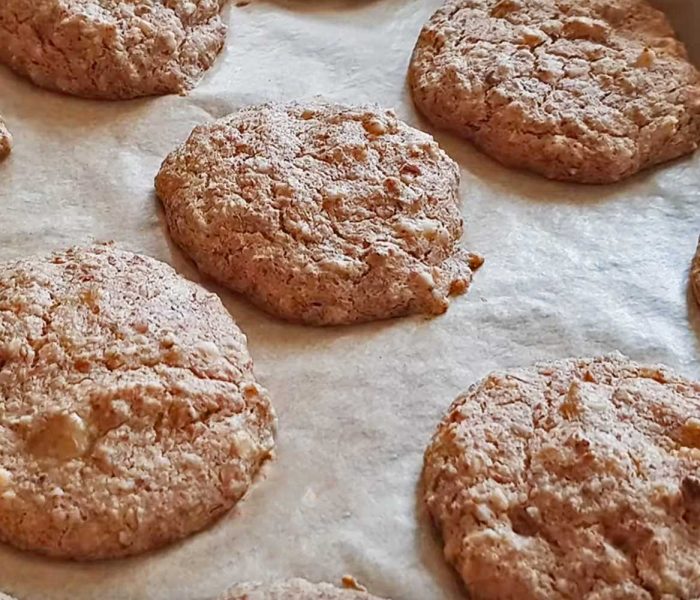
129, 413
5, 140
321, 214
695, 274
572, 479
111, 48
294, 589
578, 90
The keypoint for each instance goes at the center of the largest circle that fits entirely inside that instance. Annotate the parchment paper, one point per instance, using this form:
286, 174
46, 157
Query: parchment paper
570, 270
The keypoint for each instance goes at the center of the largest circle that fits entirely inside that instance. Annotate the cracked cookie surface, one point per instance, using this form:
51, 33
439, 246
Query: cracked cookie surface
321, 214
590, 91
129, 413
572, 479
113, 49
5, 140
294, 589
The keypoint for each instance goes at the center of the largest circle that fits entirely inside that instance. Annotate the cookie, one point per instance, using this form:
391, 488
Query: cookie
129, 413
294, 589
571, 479
114, 49
320, 214
695, 274
590, 91
5, 140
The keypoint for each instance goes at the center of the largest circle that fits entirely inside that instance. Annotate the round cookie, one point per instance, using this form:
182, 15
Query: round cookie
571, 479
5, 140
589, 91
113, 49
321, 214
129, 412
695, 274
294, 589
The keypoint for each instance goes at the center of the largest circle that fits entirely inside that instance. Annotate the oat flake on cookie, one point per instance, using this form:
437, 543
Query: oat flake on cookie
320, 213
589, 91
129, 413
576, 479
114, 49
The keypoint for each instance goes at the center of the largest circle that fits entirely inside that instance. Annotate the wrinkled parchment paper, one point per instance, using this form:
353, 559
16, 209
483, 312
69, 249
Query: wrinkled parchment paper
569, 270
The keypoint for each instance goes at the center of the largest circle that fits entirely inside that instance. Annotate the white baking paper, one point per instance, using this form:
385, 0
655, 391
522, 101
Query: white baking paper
570, 270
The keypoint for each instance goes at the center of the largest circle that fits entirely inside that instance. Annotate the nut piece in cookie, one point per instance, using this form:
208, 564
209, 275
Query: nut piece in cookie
591, 91
294, 589
321, 214
113, 49
571, 479
130, 414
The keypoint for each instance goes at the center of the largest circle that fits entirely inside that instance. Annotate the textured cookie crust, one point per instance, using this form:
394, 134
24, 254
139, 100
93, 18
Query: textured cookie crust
5, 140
321, 214
578, 90
577, 479
129, 413
294, 589
695, 274
111, 48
